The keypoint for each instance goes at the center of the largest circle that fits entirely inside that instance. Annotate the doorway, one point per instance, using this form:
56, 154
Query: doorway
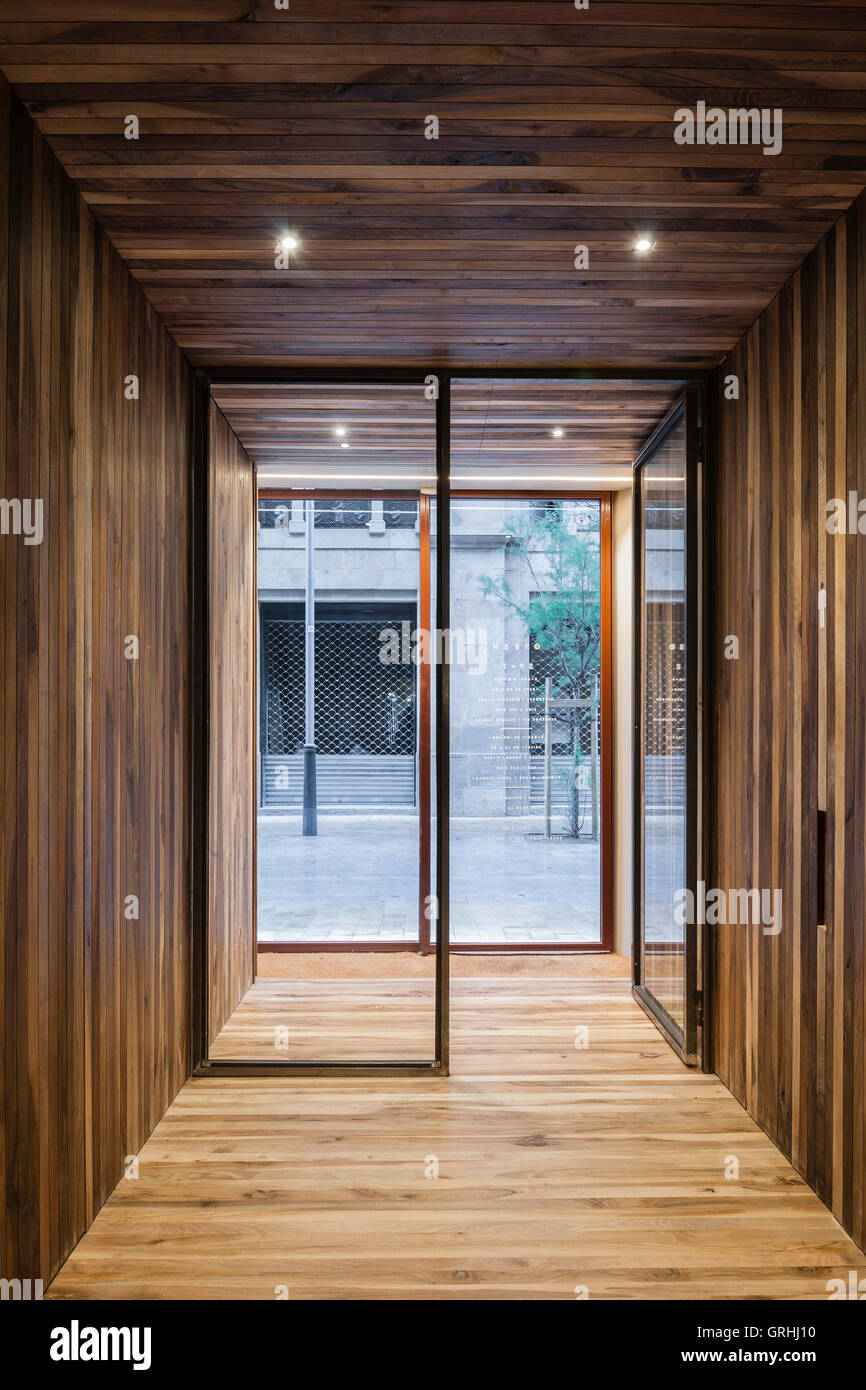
528, 650
434, 590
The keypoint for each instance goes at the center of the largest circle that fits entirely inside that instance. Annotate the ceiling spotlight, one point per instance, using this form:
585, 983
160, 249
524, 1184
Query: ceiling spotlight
644, 243
557, 433
344, 445
340, 431
288, 243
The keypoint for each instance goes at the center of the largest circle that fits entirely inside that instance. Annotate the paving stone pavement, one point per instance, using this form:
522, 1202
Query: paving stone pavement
357, 880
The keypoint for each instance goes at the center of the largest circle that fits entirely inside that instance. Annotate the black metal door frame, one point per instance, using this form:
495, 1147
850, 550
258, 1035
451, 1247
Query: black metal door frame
203, 1064
691, 1042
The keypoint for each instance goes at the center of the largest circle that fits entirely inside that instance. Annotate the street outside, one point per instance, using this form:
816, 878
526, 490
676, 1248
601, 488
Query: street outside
357, 880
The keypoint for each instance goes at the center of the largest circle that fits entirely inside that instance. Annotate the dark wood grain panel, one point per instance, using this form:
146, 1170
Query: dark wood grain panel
789, 1009
232, 798
556, 129
94, 746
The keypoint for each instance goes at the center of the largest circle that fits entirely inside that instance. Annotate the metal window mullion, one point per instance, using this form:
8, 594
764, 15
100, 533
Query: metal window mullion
443, 745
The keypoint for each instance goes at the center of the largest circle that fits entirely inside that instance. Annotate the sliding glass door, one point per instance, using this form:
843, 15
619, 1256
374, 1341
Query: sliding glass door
668, 955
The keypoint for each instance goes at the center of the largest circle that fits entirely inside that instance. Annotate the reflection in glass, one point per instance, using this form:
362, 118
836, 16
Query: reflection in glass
663, 716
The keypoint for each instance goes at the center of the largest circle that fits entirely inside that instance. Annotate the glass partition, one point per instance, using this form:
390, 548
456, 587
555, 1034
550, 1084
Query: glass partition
666, 931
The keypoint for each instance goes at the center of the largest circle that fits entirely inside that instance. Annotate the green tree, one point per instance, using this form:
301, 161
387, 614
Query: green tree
562, 616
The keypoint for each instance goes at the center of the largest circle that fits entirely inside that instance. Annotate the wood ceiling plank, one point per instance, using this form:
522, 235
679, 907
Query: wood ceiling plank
556, 127
500, 425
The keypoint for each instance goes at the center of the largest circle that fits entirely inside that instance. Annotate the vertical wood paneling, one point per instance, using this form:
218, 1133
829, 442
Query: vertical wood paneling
789, 1009
95, 754
233, 747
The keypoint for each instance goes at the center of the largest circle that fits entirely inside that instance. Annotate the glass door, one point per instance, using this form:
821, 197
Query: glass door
667, 941
343, 880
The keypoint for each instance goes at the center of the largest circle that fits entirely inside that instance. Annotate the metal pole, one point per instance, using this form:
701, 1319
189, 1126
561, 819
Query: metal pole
548, 745
310, 815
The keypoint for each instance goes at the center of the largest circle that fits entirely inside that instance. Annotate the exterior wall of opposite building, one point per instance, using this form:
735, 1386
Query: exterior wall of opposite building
377, 565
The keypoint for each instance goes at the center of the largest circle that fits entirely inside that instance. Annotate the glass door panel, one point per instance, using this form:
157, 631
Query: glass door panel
666, 728
356, 881
345, 788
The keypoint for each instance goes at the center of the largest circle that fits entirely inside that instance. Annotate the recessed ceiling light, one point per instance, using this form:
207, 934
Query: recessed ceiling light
288, 243
344, 445
557, 433
340, 431
644, 243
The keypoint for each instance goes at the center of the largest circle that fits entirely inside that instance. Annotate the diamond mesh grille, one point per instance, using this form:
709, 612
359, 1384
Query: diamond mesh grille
361, 705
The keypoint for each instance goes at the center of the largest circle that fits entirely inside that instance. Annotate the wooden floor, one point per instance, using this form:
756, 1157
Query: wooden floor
411, 965
558, 1167
352, 1020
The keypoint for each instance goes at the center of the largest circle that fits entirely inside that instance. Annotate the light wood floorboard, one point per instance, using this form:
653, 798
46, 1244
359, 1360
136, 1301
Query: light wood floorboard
559, 1167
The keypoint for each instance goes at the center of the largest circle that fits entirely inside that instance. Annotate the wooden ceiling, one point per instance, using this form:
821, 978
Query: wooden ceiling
502, 432
556, 129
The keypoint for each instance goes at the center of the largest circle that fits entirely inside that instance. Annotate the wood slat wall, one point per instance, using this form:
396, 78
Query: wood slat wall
95, 751
233, 741
787, 718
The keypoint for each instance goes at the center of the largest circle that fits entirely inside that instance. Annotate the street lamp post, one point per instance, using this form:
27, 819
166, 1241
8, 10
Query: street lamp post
310, 813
